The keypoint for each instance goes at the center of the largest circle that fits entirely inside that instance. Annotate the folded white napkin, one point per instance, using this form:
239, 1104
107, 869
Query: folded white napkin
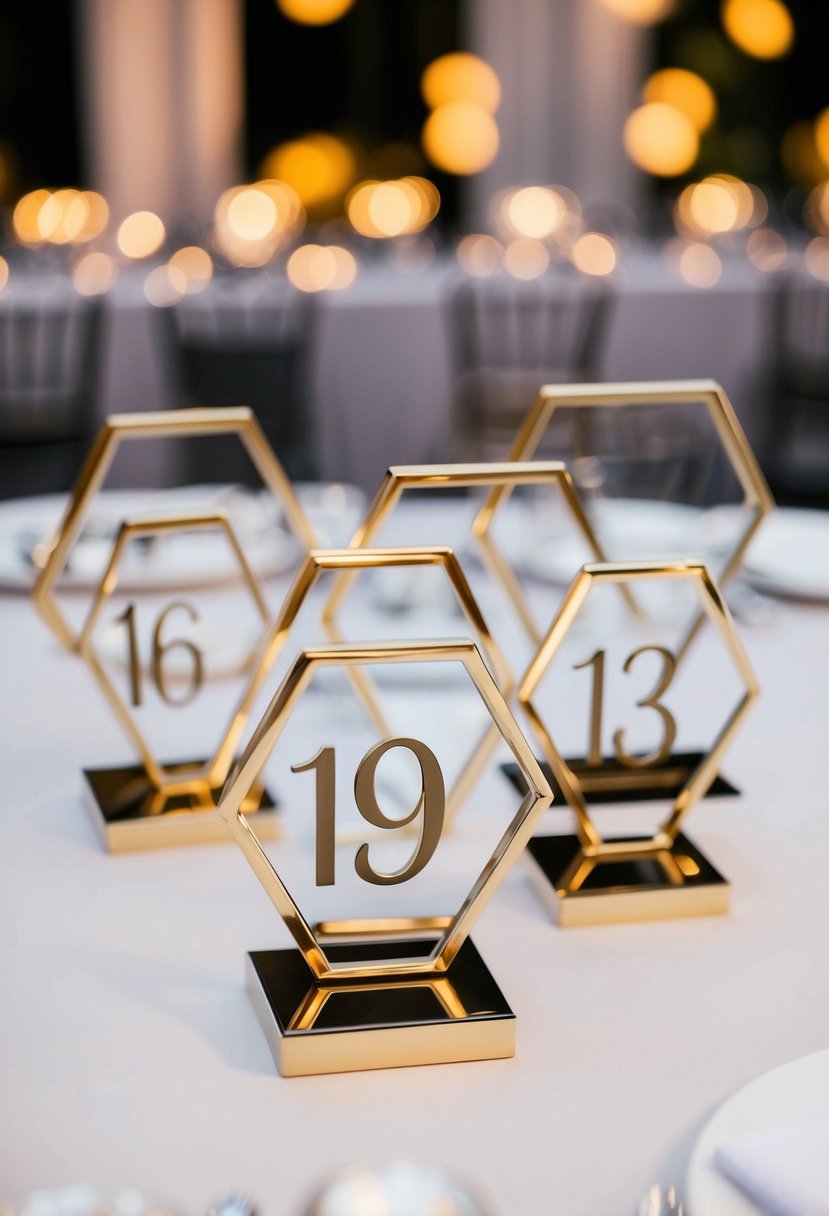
783, 1168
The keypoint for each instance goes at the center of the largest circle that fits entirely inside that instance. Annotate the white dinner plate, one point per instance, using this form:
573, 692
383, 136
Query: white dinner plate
789, 556
180, 560
797, 1089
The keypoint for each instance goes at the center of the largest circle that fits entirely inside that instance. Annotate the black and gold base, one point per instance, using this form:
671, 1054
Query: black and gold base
612, 782
661, 885
314, 1027
130, 814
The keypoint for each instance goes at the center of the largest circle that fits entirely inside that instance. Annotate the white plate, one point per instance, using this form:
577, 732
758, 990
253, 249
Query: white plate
797, 1089
789, 556
178, 561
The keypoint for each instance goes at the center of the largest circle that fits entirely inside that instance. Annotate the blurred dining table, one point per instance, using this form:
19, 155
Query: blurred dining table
382, 364
130, 1054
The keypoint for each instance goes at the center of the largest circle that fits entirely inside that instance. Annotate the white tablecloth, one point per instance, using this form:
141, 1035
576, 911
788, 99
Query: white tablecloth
129, 1052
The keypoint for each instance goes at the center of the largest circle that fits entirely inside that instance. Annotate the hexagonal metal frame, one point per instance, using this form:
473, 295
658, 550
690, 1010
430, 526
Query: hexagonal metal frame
234, 420
452, 931
756, 493
503, 478
592, 848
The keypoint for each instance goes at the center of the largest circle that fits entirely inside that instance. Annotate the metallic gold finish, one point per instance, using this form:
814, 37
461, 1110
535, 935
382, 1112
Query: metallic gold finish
651, 701
237, 420
129, 813
209, 776
313, 1027
756, 493
348, 562
443, 949
660, 885
503, 478
713, 606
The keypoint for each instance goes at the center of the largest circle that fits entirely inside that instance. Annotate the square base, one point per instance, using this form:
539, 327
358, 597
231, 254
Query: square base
315, 1027
631, 889
612, 782
128, 814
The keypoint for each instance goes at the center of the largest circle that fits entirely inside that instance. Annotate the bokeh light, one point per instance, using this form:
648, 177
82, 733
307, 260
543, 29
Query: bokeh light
480, 255
195, 264
822, 136
534, 211
800, 155
315, 268
461, 77
526, 258
686, 92
816, 257
661, 140
594, 253
640, 12
766, 249
460, 138
700, 265
4, 273
97, 216
140, 235
59, 217
761, 28
93, 274
165, 286
389, 209
314, 12
252, 222
318, 166
25, 216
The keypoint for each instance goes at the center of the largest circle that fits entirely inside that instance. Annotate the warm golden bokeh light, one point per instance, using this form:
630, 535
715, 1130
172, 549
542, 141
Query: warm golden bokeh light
97, 216
26, 214
822, 136
251, 215
686, 92
389, 209
594, 253
640, 12
62, 217
480, 255
460, 138
700, 265
4, 273
534, 211
195, 264
93, 274
816, 258
165, 286
526, 258
800, 154
461, 77
314, 12
762, 28
661, 140
766, 250
719, 203
140, 235
318, 166
816, 209
321, 268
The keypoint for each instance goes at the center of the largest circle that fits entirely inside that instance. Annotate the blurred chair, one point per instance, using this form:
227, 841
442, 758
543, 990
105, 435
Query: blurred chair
508, 338
49, 364
797, 454
246, 340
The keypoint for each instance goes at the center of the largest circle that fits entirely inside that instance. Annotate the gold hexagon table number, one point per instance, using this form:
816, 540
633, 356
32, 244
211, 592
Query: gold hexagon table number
500, 478
154, 654
383, 972
150, 803
238, 421
591, 676
667, 439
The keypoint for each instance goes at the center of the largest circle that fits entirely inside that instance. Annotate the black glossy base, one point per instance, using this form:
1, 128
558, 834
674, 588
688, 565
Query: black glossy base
614, 783
319, 1027
129, 813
